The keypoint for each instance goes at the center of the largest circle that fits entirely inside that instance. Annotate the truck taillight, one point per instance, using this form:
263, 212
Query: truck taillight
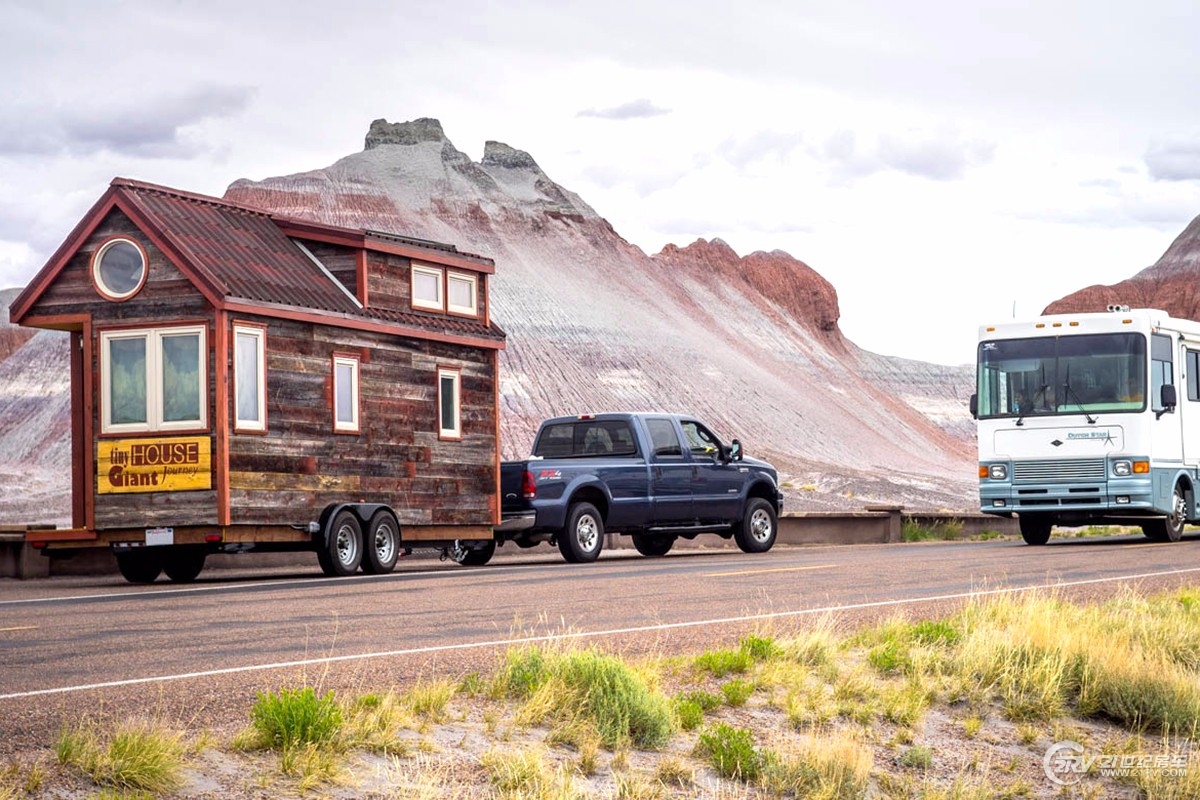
528, 486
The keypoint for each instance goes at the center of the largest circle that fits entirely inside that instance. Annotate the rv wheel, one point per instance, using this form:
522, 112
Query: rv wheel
469, 556
1035, 530
344, 545
1170, 527
139, 566
184, 563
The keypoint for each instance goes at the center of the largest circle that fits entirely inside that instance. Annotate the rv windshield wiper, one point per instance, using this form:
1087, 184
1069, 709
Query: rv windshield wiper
1069, 392
1041, 393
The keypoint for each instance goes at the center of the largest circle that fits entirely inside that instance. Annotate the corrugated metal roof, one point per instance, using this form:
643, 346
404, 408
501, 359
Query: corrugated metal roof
241, 250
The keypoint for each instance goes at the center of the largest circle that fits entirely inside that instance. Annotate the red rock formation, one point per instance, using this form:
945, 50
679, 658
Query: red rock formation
1171, 284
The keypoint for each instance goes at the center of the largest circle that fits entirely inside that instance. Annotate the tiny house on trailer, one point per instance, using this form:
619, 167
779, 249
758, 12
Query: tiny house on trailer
242, 381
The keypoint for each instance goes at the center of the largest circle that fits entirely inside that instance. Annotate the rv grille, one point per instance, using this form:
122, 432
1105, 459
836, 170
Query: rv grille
1067, 469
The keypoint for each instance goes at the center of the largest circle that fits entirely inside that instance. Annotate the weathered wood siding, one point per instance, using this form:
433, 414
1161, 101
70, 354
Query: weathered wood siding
168, 298
389, 283
301, 465
342, 262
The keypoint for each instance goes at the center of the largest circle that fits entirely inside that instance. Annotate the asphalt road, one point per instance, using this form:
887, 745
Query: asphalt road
97, 642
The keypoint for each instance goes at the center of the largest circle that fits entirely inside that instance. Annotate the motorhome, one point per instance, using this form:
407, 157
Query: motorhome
1090, 418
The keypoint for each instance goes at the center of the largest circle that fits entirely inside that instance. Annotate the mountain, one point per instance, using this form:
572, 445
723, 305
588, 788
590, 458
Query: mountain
1169, 284
751, 344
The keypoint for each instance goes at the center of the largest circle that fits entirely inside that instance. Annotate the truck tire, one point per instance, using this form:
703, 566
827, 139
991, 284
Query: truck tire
139, 565
1035, 529
652, 546
343, 548
757, 531
184, 563
580, 541
469, 555
1170, 527
381, 547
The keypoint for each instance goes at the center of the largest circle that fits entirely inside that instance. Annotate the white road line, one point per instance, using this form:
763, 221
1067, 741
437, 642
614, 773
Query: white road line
551, 637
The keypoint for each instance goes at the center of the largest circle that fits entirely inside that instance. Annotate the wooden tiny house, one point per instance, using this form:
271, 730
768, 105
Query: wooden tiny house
241, 381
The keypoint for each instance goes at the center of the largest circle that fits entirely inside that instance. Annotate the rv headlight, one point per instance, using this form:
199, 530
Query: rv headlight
998, 472
1122, 469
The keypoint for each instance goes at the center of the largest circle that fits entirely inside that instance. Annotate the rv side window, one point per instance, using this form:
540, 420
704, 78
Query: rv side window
1193, 375
1161, 372
449, 408
249, 378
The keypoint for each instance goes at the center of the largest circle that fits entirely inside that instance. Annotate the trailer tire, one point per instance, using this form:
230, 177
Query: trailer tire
382, 545
1035, 530
343, 546
759, 526
473, 556
183, 564
652, 546
139, 566
1169, 528
583, 536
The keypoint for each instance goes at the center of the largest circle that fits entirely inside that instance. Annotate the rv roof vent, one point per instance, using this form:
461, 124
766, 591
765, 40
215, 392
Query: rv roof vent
1116, 308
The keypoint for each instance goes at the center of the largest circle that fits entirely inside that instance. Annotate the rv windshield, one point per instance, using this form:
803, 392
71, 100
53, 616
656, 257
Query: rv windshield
1087, 373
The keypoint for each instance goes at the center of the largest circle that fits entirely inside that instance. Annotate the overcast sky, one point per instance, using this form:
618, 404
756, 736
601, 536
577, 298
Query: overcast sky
940, 162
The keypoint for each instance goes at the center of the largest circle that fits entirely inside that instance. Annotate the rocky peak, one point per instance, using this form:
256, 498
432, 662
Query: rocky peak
416, 131
498, 154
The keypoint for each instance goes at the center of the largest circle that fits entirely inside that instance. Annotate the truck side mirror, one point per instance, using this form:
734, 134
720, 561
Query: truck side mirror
735, 450
1168, 400
975, 405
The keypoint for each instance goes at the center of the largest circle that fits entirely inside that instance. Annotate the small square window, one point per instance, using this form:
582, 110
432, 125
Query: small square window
427, 288
345, 394
461, 293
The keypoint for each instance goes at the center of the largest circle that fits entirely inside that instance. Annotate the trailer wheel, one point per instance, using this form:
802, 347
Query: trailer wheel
652, 546
343, 548
473, 556
583, 536
139, 565
1170, 527
757, 531
382, 545
1035, 529
184, 563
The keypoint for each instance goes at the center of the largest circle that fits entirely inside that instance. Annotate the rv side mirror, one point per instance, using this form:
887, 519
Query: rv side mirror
735, 450
975, 405
1168, 397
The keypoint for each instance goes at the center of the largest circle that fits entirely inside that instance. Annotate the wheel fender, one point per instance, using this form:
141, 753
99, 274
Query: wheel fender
364, 512
763, 488
585, 483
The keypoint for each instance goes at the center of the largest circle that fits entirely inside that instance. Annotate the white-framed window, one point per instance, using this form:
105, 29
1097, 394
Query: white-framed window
119, 269
427, 288
449, 403
345, 394
153, 380
462, 290
249, 378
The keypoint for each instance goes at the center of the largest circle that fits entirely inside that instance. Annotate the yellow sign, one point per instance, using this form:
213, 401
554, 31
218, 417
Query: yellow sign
154, 465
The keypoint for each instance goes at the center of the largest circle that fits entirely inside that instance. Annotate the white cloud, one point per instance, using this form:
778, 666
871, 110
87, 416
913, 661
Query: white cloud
634, 109
1174, 161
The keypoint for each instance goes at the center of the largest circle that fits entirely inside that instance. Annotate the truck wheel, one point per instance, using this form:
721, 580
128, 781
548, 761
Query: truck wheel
583, 536
649, 545
1035, 530
382, 545
184, 563
343, 548
1170, 527
757, 531
472, 556
139, 565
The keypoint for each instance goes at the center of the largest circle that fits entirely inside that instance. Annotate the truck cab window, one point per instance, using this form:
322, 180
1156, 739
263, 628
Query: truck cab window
701, 440
664, 438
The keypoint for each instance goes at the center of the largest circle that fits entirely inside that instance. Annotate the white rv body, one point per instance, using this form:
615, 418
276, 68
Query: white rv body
1090, 418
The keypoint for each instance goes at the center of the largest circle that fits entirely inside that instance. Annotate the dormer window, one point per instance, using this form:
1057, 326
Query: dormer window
447, 291
427, 288
119, 269
461, 290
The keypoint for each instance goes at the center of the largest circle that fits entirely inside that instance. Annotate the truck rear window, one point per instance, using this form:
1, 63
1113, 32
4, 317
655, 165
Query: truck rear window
606, 437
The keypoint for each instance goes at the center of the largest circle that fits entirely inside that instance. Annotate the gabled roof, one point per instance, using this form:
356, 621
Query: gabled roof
239, 256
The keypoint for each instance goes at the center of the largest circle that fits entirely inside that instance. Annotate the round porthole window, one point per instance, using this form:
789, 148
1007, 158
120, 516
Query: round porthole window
119, 269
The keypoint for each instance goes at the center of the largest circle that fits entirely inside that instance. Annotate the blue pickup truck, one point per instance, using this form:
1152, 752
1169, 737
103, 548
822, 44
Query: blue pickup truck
655, 477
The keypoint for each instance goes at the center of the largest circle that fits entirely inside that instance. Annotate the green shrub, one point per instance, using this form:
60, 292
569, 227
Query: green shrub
722, 662
523, 673
936, 632
731, 752
917, 757
737, 691
295, 717
137, 757
760, 648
